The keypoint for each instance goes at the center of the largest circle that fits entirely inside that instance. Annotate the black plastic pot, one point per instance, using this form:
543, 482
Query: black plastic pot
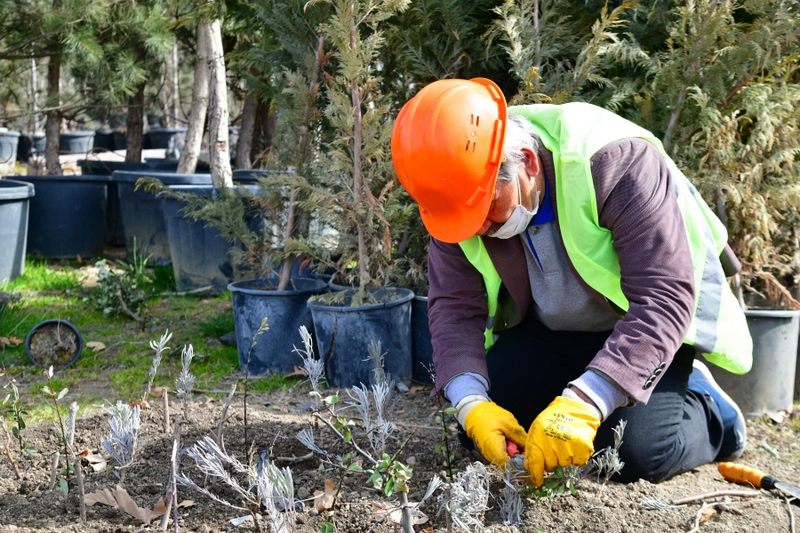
200, 257
285, 311
103, 141
162, 137
349, 330
67, 215
29, 145
422, 355
120, 140
142, 218
252, 175
14, 206
9, 140
55, 343
76, 142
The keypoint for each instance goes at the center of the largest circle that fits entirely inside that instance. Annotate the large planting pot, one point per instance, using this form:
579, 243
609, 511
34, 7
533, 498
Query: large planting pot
76, 142
200, 257
115, 234
30, 144
162, 137
769, 386
9, 140
285, 311
142, 219
103, 141
14, 205
67, 215
422, 355
349, 330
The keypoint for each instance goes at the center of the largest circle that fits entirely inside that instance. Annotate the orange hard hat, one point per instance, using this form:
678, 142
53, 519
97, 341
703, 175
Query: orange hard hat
447, 146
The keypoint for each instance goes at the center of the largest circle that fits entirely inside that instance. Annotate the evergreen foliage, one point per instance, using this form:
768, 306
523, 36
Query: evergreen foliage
357, 188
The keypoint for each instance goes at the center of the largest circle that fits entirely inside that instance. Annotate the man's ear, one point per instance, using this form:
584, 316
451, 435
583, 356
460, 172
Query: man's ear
532, 164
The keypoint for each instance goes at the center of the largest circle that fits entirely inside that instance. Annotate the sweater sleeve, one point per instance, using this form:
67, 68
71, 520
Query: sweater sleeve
637, 202
456, 314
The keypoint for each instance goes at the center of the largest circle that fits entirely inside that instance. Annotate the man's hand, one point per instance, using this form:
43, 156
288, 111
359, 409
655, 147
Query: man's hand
562, 435
489, 425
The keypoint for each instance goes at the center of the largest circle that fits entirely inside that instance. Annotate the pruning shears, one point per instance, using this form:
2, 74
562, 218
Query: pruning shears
516, 453
747, 475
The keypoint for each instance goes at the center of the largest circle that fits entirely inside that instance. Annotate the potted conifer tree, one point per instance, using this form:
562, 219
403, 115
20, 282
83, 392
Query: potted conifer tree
357, 194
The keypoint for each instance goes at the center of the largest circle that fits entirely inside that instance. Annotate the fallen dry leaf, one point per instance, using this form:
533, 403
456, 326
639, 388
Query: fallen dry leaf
95, 461
141, 404
395, 514
323, 500
120, 499
158, 392
96, 346
301, 372
706, 514
9, 341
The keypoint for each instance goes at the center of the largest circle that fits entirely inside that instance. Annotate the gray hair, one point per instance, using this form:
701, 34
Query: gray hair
519, 134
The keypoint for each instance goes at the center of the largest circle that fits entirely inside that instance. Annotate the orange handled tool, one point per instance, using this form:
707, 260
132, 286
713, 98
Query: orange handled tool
747, 475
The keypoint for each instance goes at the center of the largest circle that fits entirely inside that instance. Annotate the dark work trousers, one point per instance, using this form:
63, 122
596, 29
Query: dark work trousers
677, 430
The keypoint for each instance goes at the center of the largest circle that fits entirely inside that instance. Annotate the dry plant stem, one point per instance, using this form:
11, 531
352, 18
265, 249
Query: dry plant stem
223, 417
171, 498
716, 494
54, 469
64, 440
165, 400
698, 517
293, 460
127, 310
7, 448
81, 490
406, 512
791, 513
357, 448
73, 416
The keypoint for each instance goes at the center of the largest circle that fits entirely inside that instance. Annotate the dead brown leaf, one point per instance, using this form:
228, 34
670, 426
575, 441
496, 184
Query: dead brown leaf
395, 513
9, 341
323, 499
96, 346
120, 499
141, 404
301, 372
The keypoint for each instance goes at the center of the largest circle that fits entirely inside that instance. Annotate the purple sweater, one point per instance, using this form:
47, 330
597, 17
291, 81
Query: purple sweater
636, 202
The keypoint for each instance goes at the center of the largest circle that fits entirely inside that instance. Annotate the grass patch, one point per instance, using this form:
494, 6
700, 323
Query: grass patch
271, 383
120, 370
217, 325
40, 276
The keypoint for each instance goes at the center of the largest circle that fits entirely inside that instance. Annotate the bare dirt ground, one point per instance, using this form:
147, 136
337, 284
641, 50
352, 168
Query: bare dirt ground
29, 505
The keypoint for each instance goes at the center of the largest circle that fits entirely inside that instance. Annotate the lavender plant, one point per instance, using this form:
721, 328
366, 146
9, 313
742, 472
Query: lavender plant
158, 347
254, 485
313, 366
123, 436
466, 499
56, 397
184, 383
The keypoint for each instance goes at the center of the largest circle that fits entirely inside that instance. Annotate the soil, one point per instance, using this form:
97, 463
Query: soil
29, 504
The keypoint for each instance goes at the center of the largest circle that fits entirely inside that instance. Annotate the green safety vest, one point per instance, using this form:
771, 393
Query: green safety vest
574, 132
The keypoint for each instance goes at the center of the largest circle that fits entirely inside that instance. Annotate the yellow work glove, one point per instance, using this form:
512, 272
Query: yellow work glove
489, 425
562, 435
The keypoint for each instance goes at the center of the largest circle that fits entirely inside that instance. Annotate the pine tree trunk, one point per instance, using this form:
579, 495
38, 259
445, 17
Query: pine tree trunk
248, 127
197, 115
264, 132
52, 126
218, 150
134, 124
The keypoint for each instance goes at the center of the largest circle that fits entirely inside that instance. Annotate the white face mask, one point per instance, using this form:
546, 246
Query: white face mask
519, 219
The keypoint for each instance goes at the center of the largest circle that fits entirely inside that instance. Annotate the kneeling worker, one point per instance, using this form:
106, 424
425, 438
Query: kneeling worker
576, 278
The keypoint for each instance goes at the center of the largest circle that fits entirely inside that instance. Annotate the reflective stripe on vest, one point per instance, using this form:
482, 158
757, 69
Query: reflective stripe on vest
574, 133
